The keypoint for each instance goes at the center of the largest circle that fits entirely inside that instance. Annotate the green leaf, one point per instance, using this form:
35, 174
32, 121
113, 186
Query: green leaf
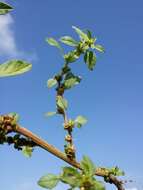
51, 82
71, 57
71, 176
14, 67
80, 120
71, 80
4, 8
53, 42
120, 173
88, 166
27, 151
49, 114
15, 116
62, 102
82, 35
89, 34
98, 185
116, 171
99, 48
70, 171
49, 181
69, 41
90, 59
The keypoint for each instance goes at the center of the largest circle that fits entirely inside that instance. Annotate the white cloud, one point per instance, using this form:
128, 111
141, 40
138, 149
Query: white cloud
133, 188
8, 45
7, 38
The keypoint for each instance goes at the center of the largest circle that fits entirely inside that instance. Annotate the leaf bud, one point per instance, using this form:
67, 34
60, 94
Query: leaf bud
69, 125
68, 138
70, 151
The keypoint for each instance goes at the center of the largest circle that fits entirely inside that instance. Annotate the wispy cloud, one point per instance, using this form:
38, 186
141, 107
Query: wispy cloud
7, 38
8, 45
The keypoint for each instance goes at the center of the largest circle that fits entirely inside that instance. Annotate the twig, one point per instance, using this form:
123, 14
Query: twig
56, 152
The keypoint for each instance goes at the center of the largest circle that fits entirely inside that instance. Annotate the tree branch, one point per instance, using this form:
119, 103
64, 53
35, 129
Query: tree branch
50, 148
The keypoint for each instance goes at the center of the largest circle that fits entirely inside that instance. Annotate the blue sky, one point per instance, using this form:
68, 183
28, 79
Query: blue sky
110, 96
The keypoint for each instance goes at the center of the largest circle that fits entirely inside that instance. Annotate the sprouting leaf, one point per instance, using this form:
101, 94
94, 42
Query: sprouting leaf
62, 102
51, 82
71, 176
69, 83
70, 171
48, 181
69, 41
89, 34
116, 171
82, 35
71, 56
15, 116
98, 185
88, 166
120, 173
69, 75
80, 120
27, 151
4, 8
71, 80
90, 59
99, 48
49, 114
53, 42
14, 67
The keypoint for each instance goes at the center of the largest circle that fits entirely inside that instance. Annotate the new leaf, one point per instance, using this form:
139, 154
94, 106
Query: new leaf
99, 48
51, 82
69, 41
27, 151
71, 176
48, 181
53, 42
82, 35
90, 59
62, 103
80, 120
88, 166
14, 67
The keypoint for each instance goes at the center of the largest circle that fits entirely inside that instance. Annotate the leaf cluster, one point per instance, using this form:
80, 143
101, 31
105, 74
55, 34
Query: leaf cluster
86, 46
74, 178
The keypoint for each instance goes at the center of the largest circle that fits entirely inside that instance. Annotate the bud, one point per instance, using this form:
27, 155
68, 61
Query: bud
68, 138
70, 151
69, 125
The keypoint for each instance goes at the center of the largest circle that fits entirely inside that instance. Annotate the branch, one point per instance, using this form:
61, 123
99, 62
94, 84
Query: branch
50, 148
